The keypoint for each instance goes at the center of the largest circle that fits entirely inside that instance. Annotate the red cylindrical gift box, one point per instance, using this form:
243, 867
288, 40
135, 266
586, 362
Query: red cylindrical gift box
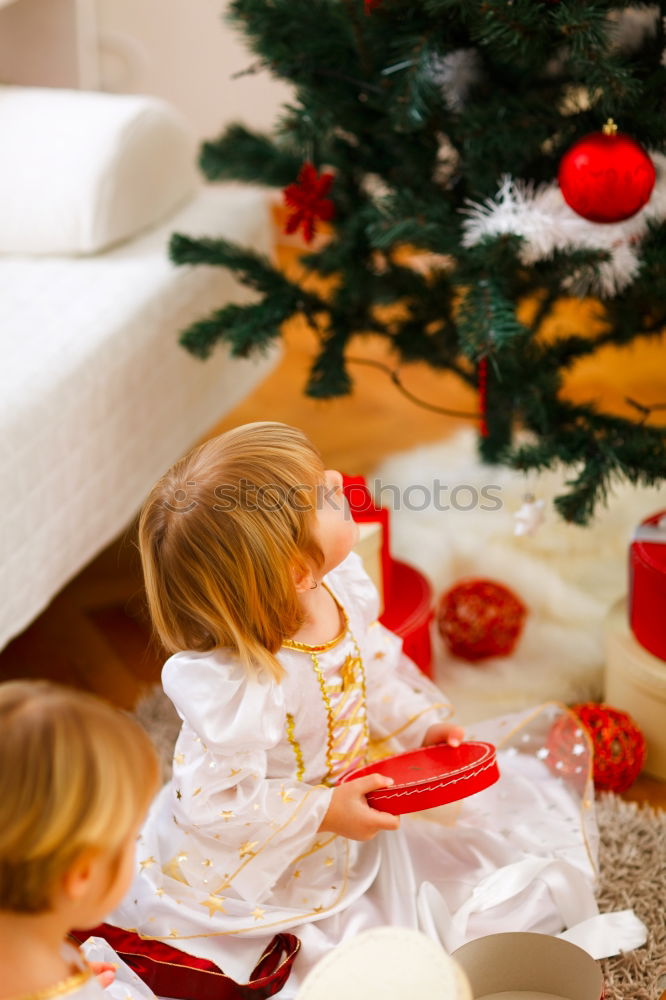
407, 594
647, 584
408, 613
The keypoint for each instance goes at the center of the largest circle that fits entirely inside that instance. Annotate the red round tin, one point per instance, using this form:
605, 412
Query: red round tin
432, 776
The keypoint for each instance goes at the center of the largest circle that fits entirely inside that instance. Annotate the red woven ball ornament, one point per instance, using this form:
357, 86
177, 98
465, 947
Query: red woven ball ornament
480, 618
606, 176
619, 745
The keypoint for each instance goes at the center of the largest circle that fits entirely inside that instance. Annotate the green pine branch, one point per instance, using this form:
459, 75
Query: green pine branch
240, 154
602, 450
368, 103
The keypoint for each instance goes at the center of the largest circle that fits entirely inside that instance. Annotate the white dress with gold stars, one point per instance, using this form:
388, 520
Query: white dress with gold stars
230, 853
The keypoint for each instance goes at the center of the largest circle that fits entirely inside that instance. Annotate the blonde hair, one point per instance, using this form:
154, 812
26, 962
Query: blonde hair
75, 774
222, 535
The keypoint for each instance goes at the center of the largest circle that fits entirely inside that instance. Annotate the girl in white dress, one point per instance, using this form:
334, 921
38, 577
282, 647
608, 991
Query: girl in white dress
76, 778
284, 680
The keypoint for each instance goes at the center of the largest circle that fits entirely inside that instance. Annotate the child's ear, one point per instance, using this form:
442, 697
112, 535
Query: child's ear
302, 577
78, 877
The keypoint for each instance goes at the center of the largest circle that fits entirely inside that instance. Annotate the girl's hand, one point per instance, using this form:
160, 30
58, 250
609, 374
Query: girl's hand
349, 813
443, 732
105, 972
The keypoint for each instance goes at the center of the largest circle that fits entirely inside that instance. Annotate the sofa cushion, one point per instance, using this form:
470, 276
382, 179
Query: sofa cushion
81, 171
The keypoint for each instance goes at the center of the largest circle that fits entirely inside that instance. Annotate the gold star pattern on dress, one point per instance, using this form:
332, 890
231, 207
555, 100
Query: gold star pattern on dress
181, 857
147, 862
214, 904
207, 863
245, 850
258, 913
318, 909
234, 771
226, 814
179, 758
225, 884
284, 795
329, 862
196, 791
348, 671
174, 934
172, 869
379, 655
159, 892
179, 794
297, 873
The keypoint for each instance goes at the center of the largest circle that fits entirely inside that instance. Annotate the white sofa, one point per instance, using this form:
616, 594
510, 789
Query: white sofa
97, 397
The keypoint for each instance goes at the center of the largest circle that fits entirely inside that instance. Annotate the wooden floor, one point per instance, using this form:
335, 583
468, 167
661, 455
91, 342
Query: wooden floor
95, 634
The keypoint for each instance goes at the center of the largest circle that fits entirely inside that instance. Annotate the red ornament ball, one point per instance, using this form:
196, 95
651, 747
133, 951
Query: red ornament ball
619, 746
480, 618
606, 176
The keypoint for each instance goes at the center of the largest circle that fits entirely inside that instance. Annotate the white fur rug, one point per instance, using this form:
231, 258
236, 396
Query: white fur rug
567, 576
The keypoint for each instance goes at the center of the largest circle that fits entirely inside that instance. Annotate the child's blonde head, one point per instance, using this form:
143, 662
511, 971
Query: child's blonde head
225, 534
75, 774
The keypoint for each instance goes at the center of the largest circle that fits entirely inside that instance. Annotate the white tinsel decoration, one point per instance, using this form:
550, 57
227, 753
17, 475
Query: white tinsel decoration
529, 518
634, 25
547, 224
455, 73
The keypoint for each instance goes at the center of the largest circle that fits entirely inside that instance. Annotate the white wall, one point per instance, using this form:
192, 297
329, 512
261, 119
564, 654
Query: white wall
184, 51
39, 43
181, 50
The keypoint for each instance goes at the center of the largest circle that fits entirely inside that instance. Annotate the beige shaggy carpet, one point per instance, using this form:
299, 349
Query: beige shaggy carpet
632, 858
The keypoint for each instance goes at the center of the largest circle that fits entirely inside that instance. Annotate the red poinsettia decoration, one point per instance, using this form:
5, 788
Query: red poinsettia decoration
308, 202
371, 5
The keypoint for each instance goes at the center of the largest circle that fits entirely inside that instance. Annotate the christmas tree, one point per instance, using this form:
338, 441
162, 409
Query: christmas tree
438, 128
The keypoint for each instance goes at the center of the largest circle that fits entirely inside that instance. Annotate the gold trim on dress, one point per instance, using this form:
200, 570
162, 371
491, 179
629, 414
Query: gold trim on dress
319, 845
296, 747
413, 718
349, 683
306, 647
330, 731
60, 989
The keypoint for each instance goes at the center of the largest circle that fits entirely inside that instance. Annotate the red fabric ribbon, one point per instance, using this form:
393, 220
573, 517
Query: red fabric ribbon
173, 973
